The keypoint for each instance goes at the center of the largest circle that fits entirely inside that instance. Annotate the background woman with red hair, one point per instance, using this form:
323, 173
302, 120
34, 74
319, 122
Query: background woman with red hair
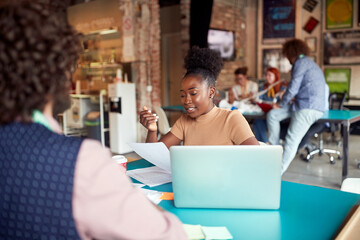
272, 95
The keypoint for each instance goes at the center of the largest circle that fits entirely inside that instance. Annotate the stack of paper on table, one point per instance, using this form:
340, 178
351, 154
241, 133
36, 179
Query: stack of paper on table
151, 176
157, 154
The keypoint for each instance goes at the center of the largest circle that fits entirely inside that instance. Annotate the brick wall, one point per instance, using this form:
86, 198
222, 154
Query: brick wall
146, 68
227, 15
147, 47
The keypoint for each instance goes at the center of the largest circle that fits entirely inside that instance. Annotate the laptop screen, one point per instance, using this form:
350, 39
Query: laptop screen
247, 177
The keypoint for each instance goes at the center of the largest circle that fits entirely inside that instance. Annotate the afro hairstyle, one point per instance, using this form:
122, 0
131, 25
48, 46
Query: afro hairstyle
204, 62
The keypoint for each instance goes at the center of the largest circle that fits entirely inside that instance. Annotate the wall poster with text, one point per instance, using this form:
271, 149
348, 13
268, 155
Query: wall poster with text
339, 14
342, 47
278, 21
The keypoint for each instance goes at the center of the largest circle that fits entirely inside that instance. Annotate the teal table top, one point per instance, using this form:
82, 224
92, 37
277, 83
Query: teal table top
341, 114
306, 212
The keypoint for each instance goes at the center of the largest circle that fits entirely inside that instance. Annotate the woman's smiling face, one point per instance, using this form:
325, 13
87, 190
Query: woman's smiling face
196, 95
270, 77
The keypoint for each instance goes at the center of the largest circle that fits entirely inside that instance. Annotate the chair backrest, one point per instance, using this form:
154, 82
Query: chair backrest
220, 94
163, 123
336, 100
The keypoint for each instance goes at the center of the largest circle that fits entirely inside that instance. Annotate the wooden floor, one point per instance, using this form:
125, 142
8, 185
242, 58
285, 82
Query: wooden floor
319, 172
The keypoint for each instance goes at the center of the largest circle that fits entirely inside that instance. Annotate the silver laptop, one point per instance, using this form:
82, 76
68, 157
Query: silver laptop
245, 177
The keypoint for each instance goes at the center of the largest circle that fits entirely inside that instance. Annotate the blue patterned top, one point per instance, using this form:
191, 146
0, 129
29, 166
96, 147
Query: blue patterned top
307, 85
36, 182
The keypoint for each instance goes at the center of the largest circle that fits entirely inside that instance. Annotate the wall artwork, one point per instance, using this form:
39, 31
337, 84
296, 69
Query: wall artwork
310, 25
278, 21
311, 42
223, 42
274, 58
339, 14
309, 5
338, 79
342, 47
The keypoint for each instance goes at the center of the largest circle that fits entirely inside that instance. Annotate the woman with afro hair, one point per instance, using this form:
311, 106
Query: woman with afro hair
203, 123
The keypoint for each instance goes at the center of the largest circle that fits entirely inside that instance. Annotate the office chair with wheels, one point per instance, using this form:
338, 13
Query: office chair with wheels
336, 101
311, 149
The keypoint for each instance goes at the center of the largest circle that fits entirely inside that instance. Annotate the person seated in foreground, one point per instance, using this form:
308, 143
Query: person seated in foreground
203, 123
53, 186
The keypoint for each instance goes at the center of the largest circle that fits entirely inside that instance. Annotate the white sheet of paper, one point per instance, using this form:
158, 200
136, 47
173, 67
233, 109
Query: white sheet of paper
156, 153
138, 185
153, 196
193, 231
151, 176
216, 233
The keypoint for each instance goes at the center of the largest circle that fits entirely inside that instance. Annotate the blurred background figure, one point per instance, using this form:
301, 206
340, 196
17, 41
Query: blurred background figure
243, 87
303, 101
271, 96
230, 101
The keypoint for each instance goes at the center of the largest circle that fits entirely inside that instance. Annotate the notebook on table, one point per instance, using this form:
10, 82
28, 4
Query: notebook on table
238, 177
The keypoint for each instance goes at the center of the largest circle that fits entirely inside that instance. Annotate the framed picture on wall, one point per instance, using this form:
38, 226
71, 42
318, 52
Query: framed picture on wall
309, 5
339, 14
223, 42
311, 24
338, 79
274, 58
278, 21
342, 48
311, 42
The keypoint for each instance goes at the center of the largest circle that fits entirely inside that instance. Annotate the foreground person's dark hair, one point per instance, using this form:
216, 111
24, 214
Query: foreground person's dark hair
37, 50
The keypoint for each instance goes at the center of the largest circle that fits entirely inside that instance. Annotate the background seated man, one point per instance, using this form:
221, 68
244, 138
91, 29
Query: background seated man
230, 101
307, 89
243, 88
